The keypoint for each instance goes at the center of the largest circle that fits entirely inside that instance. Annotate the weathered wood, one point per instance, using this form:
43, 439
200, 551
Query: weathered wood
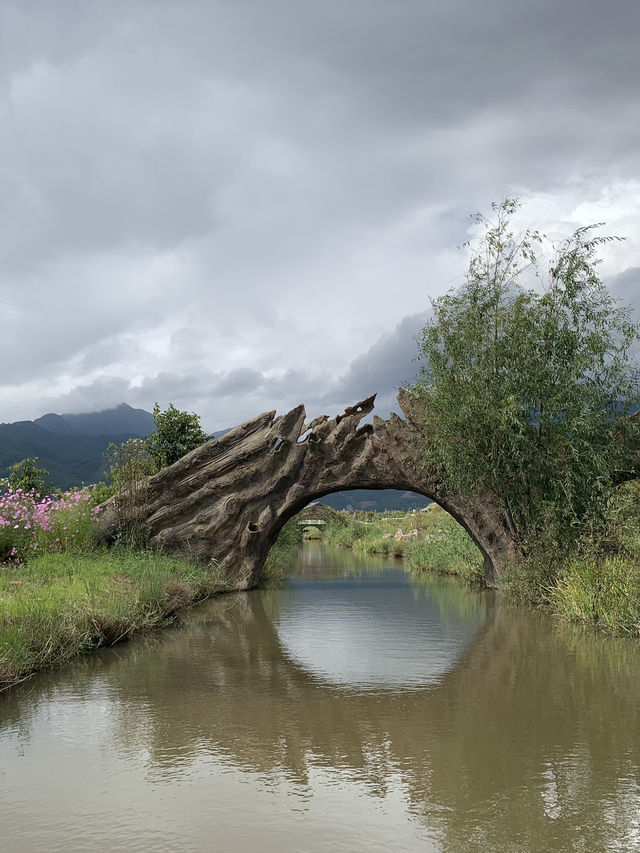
227, 500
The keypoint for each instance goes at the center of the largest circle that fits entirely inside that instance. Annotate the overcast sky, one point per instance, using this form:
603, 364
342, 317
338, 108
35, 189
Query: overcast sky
240, 205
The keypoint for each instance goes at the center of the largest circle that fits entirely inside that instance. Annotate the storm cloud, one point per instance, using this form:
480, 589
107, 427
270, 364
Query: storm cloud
239, 206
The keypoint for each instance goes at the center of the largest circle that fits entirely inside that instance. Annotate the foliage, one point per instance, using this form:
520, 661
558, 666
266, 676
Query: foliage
620, 531
176, 434
602, 592
27, 476
597, 581
129, 464
101, 492
526, 391
283, 554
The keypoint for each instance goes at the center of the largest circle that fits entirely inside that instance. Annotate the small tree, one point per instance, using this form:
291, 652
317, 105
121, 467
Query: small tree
526, 392
176, 434
129, 464
128, 467
27, 476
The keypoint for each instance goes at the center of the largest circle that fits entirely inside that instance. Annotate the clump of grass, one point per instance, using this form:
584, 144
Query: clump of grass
594, 581
58, 606
453, 553
604, 593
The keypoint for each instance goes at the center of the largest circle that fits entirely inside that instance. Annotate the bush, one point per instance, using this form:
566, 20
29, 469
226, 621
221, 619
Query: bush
26, 475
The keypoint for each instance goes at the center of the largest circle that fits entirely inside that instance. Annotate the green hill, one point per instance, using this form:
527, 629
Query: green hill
71, 447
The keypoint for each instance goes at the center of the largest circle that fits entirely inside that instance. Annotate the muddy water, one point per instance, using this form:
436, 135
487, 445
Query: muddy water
354, 709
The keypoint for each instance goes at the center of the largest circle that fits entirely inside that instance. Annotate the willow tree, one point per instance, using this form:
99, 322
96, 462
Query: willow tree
528, 380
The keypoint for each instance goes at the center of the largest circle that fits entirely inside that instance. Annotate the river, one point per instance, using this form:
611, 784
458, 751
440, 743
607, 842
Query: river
353, 709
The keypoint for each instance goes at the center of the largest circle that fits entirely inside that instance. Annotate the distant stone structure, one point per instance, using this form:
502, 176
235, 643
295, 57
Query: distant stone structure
228, 500
316, 515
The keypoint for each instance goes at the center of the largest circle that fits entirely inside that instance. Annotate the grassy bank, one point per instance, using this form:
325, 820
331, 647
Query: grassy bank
60, 605
429, 540
596, 582
62, 594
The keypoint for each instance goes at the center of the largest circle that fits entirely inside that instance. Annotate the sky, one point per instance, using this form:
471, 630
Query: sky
241, 205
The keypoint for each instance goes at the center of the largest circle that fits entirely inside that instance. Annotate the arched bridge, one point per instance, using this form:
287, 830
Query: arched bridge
229, 499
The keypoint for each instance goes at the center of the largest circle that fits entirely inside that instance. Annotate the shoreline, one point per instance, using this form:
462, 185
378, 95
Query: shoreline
65, 605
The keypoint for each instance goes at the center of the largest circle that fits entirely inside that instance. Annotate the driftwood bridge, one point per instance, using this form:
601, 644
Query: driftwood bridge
228, 500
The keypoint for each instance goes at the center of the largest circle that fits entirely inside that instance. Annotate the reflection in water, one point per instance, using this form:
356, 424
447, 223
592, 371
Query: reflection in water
370, 630
231, 731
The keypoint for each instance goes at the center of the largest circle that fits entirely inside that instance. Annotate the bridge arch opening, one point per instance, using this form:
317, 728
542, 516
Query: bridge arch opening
358, 501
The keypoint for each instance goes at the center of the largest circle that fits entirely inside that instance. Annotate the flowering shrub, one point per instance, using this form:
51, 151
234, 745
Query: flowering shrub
31, 523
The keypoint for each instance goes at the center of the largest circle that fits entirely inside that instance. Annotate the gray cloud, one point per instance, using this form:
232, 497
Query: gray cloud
388, 364
626, 287
231, 205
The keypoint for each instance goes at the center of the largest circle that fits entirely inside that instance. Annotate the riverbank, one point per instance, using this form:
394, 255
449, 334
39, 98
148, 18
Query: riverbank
63, 594
61, 605
429, 540
596, 584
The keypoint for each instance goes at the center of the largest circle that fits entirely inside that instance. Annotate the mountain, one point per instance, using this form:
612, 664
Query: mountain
71, 447
119, 420
376, 500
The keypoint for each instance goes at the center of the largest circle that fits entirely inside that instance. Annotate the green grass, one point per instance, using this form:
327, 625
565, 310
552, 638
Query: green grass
283, 555
61, 605
452, 554
594, 581
604, 593
442, 546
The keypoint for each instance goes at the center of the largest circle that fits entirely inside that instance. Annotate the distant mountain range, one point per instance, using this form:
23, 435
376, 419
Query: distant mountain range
375, 500
72, 449
123, 419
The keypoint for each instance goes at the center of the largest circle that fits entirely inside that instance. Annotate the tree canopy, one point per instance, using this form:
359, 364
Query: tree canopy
176, 434
528, 380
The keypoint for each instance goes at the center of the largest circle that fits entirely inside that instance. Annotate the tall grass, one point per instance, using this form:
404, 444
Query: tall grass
452, 554
604, 593
60, 605
596, 582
